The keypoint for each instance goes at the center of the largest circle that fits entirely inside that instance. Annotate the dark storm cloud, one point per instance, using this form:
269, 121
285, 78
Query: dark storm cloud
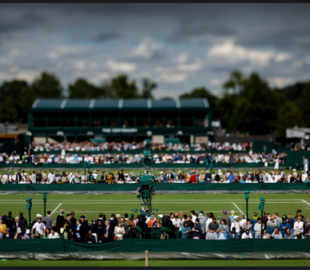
28, 21
106, 36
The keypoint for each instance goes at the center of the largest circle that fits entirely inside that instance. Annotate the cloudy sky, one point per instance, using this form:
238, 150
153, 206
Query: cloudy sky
180, 46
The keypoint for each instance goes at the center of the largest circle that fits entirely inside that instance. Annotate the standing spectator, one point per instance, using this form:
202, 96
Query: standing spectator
48, 221
271, 226
19, 176
196, 230
15, 225
119, 231
253, 222
60, 220
73, 221
298, 226
108, 232
257, 228
265, 220
9, 220
212, 229
305, 162
235, 228
39, 177
84, 227
51, 177
39, 228
225, 217
23, 220
185, 230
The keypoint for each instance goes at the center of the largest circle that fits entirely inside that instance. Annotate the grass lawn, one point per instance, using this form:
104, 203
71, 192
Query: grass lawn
92, 204
191, 263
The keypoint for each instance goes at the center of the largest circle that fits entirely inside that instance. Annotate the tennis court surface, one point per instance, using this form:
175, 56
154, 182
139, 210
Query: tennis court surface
91, 205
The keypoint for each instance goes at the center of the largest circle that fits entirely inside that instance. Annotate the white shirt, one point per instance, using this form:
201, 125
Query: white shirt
193, 218
176, 222
56, 235
209, 220
235, 224
51, 177
245, 236
299, 226
304, 177
39, 227
242, 222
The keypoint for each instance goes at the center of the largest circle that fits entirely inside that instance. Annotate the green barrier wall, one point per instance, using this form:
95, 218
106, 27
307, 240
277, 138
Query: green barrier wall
158, 186
140, 245
295, 160
133, 165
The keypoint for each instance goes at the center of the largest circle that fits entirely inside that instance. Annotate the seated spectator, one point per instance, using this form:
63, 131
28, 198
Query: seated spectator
222, 235
246, 235
288, 234
53, 234
27, 234
271, 226
277, 234
265, 234
89, 238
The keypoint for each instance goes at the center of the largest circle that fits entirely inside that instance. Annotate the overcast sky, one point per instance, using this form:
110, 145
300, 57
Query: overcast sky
180, 46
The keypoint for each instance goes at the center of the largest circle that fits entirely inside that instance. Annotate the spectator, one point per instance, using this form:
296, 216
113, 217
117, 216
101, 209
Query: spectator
60, 220
119, 231
23, 220
277, 234
48, 221
27, 234
257, 228
235, 228
196, 229
265, 234
253, 222
2, 227
39, 228
225, 217
14, 228
271, 226
84, 229
232, 216
288, 235
284, 226
212, 229
53, 234
298, 226
185, 231
222, 235
89, 238
246, 235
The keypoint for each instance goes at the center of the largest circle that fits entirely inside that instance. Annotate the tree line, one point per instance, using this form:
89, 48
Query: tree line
248, 103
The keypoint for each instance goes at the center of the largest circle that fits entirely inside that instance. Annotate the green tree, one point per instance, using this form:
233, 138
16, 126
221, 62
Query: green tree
47, 86
147, 88
202, 92
234, 82
120, 87
81, 88
289, 115
15, 99
303, 103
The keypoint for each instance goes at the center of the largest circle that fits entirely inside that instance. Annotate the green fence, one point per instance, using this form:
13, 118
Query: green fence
158, 186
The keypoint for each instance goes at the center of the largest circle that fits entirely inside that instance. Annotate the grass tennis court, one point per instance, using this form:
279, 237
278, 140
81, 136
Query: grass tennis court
93, 204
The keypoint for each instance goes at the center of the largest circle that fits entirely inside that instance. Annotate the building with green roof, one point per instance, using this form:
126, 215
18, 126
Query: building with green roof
121, 119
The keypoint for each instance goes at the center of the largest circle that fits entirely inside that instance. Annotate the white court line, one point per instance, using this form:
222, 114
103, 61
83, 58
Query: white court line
132, 202
238, 208
56, 208
306, 202
116, 211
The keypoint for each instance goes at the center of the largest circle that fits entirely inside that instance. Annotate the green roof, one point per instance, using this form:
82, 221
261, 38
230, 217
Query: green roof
131, 104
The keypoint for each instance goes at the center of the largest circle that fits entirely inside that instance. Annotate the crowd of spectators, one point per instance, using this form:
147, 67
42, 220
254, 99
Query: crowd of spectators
134, 146
299, 146
184, 226
170, 176
128, 158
